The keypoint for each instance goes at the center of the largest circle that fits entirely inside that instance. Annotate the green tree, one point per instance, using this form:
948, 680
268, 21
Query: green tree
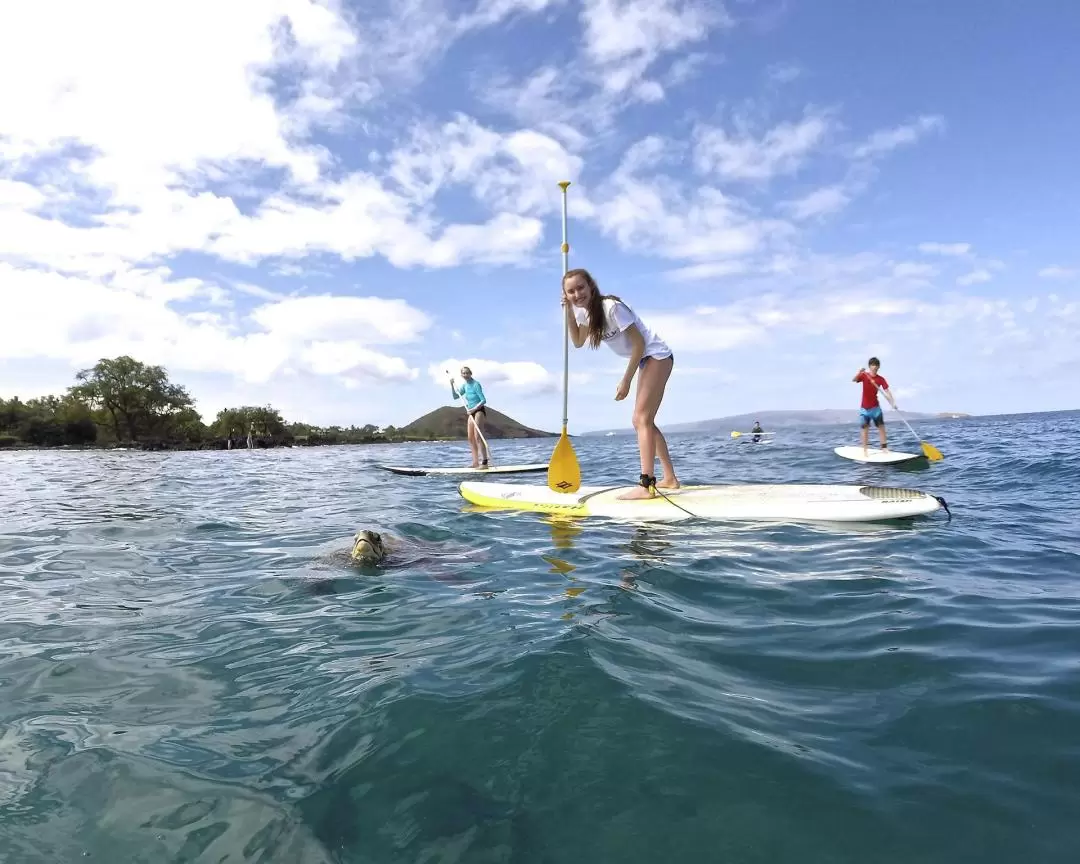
138, 401
237, 421
47, 422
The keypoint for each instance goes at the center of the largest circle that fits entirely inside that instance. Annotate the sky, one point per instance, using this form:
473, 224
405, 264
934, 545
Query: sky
323, 205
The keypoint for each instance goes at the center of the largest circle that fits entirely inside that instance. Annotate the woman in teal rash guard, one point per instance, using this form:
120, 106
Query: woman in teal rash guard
476, 405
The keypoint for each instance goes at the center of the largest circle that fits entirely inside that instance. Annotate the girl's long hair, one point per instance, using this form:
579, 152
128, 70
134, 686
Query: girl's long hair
595, 306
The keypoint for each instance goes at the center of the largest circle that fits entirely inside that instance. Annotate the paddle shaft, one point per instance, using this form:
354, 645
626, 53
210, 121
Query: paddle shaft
902, 418
566, 329
564, 473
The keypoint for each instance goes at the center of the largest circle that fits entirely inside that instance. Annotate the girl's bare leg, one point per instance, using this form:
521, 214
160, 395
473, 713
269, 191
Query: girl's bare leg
652, 381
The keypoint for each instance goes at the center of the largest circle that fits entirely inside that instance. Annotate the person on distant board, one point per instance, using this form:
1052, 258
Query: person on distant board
757, 430
598, 318
871, 409
476, 406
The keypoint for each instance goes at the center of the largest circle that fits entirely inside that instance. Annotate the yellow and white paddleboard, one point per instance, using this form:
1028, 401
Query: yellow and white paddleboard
755, 502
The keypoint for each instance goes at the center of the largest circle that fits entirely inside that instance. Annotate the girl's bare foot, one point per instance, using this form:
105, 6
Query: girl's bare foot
636, 493
673, 483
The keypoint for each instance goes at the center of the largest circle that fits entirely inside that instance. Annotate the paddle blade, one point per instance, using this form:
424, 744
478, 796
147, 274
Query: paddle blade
736, 434
564, 473
931, 452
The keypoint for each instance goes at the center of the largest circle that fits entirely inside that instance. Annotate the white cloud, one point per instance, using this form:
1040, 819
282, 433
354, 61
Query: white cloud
914, 270
820, 202
516, 171
522, 376
975, 277
53, 316
551, 100
1058, 273
776, 321
888, 140
687, 66
490, 12
951, 250
215, 125
783, 73
650, 212
743, 156
577, 98
713, 270
372, 320
623, 38
352, 360
707, 328
77, 82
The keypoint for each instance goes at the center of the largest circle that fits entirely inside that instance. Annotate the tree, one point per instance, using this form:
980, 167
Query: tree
48, 421
237, 421
138, 400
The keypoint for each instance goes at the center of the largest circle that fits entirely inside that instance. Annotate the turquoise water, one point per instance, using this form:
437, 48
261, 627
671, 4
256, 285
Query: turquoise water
187, 677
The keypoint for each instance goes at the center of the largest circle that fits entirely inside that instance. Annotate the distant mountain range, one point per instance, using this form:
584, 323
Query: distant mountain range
778, 419
450, 423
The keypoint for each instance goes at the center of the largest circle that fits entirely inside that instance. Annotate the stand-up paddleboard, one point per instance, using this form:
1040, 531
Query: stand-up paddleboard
413, 471
755, 502
875, 455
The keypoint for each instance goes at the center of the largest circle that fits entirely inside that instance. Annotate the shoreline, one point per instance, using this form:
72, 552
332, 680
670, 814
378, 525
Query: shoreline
171, 447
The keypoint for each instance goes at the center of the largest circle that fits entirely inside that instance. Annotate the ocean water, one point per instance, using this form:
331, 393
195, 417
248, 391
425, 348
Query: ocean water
189, 675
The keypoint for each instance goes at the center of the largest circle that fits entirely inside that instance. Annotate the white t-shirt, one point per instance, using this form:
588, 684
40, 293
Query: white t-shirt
617, 318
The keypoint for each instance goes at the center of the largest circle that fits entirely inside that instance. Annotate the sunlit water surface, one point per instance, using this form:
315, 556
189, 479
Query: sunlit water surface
190, 674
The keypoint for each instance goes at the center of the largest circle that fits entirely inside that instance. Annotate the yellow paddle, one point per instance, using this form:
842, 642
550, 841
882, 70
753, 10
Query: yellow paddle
929, 450
564, 473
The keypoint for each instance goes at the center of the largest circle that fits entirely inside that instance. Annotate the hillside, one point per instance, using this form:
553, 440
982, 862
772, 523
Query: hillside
780, 419
450, 422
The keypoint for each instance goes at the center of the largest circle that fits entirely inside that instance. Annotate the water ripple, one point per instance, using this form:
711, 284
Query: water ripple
191, 675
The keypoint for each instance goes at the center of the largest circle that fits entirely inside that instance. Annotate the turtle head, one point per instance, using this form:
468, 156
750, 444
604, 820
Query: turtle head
368, 548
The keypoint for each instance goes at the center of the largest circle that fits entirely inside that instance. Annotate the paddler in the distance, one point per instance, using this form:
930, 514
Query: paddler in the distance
757, 430
870, 409
476, 413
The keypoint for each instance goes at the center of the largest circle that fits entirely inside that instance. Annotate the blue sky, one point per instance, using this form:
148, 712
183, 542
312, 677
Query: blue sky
322, 205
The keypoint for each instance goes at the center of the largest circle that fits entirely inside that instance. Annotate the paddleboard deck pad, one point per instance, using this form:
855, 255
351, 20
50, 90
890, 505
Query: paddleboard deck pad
875, 455
413, 471
753, 502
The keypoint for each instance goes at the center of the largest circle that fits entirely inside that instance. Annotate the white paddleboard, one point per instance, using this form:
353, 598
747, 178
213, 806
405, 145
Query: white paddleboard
755, 502
413, 471
875, 455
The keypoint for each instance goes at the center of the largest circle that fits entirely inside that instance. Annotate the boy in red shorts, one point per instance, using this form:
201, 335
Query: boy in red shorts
870, 409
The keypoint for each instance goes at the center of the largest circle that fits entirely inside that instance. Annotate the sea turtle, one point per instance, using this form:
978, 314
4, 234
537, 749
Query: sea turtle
369, 548
446, 560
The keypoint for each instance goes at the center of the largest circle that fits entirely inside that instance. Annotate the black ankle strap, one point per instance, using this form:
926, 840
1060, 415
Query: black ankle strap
647, 481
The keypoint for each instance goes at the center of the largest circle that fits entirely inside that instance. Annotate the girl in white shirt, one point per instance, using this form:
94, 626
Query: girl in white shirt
605, 318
